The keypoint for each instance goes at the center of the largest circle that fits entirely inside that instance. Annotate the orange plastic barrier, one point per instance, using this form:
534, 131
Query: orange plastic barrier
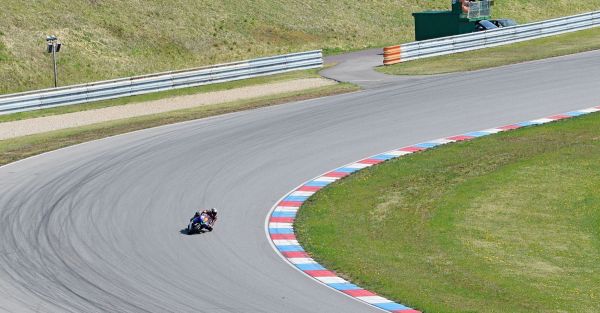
391, 55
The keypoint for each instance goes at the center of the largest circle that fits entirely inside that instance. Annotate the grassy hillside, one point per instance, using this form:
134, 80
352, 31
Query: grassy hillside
110, 38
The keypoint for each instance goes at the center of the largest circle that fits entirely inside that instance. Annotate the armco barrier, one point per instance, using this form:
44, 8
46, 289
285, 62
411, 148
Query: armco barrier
491, 38
123, 87
391, 55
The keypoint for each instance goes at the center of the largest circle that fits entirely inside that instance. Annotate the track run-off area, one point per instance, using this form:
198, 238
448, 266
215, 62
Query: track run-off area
97, 226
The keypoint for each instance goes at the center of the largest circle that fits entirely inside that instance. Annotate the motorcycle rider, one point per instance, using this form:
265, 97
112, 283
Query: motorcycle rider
212, 214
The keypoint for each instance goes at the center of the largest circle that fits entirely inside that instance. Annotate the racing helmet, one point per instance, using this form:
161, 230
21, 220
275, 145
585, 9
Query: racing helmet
213, 211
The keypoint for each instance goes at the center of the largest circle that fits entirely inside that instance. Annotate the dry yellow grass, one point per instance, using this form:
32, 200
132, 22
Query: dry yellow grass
110, 38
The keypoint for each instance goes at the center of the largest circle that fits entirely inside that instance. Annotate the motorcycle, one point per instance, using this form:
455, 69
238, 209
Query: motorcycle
199, 224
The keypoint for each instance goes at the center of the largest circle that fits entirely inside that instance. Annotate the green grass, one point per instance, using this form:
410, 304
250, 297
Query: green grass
313, 73
106, 39
505, 223
542, 48
19, 148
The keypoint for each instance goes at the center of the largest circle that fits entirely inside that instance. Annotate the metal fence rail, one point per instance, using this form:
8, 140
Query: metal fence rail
123, 87
495, 37
479, 8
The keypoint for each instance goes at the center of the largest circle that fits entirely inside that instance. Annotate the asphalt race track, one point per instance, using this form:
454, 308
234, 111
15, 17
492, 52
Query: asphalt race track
96, 227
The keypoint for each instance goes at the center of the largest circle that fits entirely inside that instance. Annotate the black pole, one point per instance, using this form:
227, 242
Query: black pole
54, 61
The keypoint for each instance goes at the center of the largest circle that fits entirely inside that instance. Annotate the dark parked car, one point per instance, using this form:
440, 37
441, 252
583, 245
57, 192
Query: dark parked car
505, 22
484, 25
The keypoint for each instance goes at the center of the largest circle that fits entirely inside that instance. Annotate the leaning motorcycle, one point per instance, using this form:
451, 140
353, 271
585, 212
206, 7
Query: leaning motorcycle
199, 225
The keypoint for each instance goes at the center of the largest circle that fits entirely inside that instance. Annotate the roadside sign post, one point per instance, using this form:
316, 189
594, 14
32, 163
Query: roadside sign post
53, 46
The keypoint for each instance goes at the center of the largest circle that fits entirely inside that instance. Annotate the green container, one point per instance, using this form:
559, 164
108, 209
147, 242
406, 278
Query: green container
435, 24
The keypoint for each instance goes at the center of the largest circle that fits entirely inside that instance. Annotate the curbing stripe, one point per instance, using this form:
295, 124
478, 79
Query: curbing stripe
275, 219
460, 138
290, 248
302, 193
279, 224
331, 280
281, 231
427, 145
283, 214
285, 242
302, 260
412, 149
344, 286
295, 254
310, 266
283, 237
317, 184
309, 188
359, 293
370, 161
477, 134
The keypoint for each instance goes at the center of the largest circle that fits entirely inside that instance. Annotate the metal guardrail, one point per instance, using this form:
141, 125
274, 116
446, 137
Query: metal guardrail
123, 87
491, 38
